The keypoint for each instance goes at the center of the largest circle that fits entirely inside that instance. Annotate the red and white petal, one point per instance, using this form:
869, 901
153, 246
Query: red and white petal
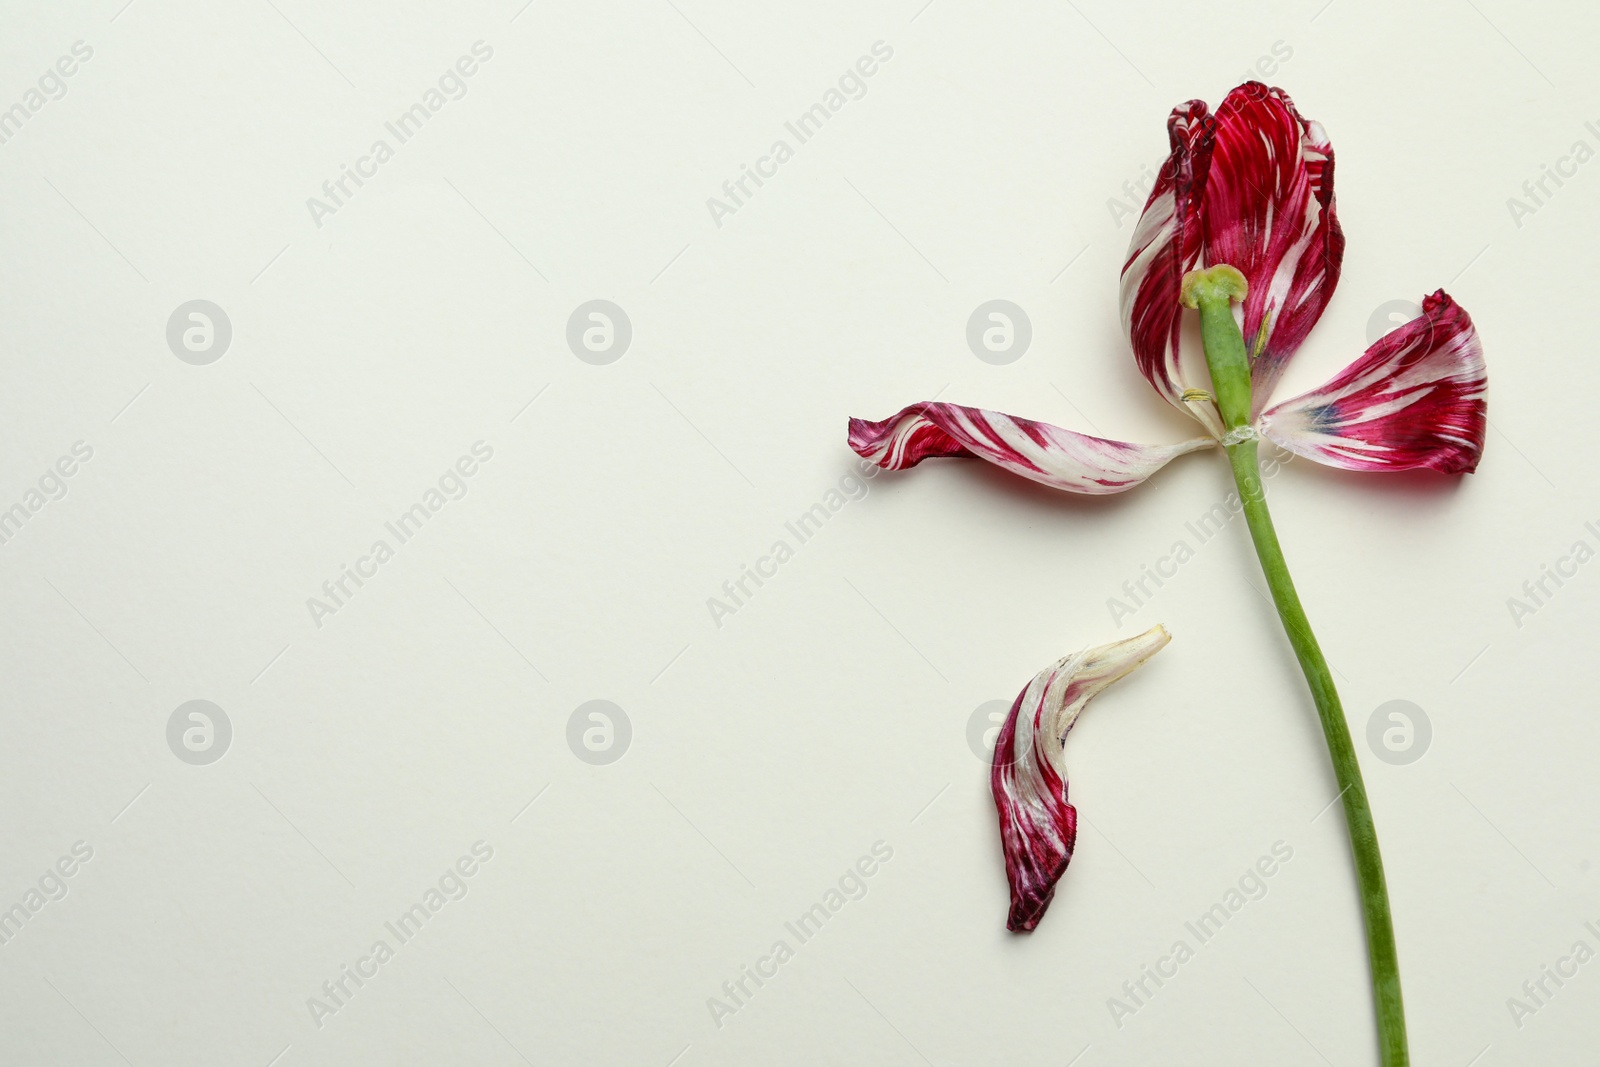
1414, 400
1269, 211
1165, 245
1047, 454
1029, 776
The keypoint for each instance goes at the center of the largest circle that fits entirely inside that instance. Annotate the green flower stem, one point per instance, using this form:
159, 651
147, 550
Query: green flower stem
1357, 812
1231, 380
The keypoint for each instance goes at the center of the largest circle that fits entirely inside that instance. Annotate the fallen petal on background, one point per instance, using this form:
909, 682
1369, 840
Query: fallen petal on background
1047, 454
1414, 400
1029, 776
1269, 212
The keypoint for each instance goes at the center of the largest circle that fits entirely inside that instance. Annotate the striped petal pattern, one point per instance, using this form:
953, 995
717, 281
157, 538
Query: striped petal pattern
1250, 186
1415, 399
1038, 828
1269, 212
1038, 451
1166, 244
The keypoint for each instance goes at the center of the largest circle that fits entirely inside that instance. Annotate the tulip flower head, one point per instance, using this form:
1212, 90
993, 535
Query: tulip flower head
1250, 187
1240, 227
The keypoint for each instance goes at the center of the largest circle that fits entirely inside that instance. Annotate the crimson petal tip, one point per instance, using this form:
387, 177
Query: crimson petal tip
1415, 400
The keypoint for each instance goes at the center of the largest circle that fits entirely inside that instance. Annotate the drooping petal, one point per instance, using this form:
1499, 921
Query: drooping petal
1047, 454
1269, 211
1029, 777
1167, 243
1414, 399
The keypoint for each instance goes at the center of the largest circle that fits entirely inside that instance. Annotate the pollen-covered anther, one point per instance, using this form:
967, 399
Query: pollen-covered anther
1220, 282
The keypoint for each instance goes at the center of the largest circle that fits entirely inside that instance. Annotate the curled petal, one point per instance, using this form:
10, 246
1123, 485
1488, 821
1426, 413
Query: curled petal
1029, 777
1269, 211
1165, 245
1414, 399
1047, 454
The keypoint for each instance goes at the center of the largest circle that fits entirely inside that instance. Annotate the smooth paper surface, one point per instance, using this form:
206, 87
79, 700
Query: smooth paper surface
444, 622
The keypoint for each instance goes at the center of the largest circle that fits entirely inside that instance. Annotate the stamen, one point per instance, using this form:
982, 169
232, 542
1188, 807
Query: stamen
1261, 337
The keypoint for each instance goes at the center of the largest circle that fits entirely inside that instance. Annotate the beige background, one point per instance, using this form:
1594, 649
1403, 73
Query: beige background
831, 711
